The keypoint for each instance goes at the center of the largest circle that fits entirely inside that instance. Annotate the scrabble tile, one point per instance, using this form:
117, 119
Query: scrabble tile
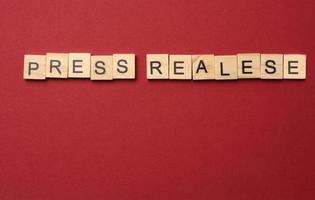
157, 66
79, 65
248, 65
102, 67
294, 66
226, 67
34, 67
203, 67
180, 67
124, 66
271, 66
57, 65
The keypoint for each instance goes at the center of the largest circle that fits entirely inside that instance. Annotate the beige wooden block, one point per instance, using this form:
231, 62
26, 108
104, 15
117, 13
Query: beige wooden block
226, 67
294, 66
102, 67
157, 66
57, 65
79, 65
34, 67
124, 66
271, 66
180, 67
248, 65
203, 67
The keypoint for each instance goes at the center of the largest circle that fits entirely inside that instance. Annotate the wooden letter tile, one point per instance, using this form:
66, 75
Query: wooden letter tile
157, 66
102, 67
79, 65
226, 67
203, 67
34, 67
124, 66
294, 66
248, 65
271, 66
57, 65
180, 67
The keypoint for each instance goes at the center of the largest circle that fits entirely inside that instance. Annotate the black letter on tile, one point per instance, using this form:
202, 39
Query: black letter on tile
221, 69
202, 66
157, 67
267, 63
292, 67
178, 67
30, 68
54, 64
246, 67
76, 66
124, 68
101, 66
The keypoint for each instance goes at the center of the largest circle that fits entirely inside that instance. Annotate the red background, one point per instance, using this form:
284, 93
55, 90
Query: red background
140, 139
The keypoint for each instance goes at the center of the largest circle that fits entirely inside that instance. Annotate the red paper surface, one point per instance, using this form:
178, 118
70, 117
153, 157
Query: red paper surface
140, 139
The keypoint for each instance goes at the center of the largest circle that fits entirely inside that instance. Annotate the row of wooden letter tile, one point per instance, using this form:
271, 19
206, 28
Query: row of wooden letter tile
226, 67
79, 65
164, 66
